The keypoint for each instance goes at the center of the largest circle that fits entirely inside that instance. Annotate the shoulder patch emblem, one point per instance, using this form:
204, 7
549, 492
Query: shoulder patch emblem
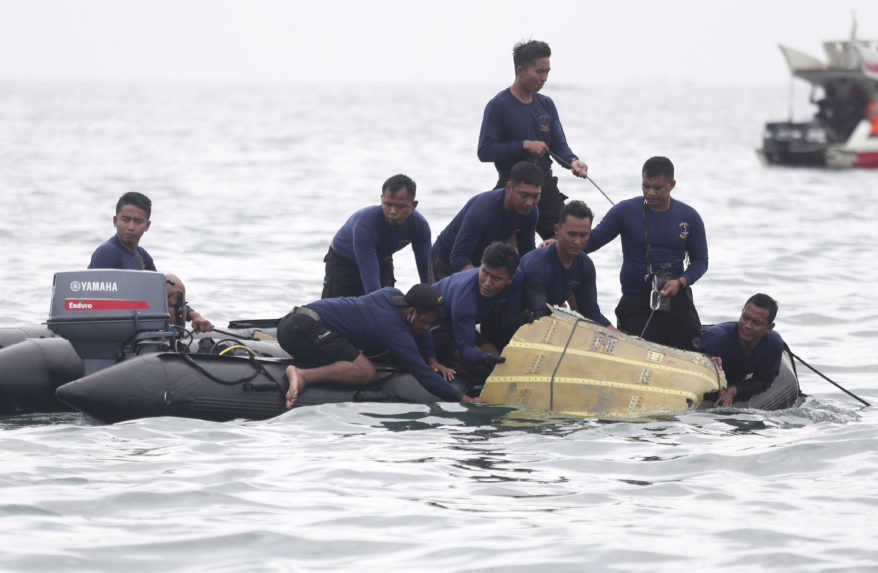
684, 230
545, 123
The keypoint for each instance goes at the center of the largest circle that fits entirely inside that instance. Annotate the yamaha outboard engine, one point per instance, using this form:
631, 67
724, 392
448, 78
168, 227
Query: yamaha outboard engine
110, 314
100, 317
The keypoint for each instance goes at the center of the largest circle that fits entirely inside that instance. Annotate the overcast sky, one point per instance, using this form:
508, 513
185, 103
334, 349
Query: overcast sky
446, 42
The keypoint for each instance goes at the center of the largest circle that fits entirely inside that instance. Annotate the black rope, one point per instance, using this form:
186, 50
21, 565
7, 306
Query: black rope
558, 364
825, 377
646, 324
258, 368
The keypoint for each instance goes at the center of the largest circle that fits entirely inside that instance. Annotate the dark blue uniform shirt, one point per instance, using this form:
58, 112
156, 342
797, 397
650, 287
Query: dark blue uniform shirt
507, 122
547, 281
465, 308
373, 324
366, 238
763, 363
481, 222
671, 234
112, 254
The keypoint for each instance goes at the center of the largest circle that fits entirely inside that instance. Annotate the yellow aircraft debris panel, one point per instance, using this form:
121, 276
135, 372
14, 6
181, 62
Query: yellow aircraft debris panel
566, 364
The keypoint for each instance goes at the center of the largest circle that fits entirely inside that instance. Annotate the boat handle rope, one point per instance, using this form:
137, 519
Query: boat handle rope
558, 364
824, 376
258, 368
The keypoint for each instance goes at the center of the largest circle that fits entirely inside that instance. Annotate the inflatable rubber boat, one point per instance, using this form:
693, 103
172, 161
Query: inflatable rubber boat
108, 331
99, 318
107, 350
568, 365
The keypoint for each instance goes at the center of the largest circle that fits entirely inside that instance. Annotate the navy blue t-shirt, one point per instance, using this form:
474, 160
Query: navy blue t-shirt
373, 324
366, 238
112, 254
547, 281
465, 308
507, 122
671, 234
763, 363
481, 222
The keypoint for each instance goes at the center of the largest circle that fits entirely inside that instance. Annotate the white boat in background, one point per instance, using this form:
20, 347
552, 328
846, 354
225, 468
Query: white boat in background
844, 130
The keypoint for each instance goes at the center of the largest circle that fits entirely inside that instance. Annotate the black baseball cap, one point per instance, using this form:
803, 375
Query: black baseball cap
422, 296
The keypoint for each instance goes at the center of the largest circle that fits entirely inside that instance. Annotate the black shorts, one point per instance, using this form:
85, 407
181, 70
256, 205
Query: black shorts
550, 205
311, 342
342, 277
676, 327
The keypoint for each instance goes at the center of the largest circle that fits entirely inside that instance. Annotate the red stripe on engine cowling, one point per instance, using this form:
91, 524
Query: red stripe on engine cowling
104, 304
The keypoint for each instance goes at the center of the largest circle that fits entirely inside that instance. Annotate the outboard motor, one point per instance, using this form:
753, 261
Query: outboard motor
97, 318
109, 314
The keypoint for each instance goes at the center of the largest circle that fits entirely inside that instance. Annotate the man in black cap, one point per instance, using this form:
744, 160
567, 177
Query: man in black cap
330, 338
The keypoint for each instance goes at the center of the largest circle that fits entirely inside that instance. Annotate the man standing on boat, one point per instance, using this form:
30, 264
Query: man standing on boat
490, 296
360, 258
555, 272
749, 351
521, 124
123, 250
330, 339
658, 234
507, 214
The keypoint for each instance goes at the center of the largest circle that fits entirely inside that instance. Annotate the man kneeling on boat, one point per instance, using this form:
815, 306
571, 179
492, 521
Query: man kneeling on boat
561, 272
331, 337
749, 351
489, 296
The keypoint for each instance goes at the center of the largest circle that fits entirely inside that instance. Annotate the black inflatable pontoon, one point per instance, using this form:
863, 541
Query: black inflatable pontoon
217, 388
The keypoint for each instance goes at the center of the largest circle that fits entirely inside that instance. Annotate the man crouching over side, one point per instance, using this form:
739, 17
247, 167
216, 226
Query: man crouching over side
331, 337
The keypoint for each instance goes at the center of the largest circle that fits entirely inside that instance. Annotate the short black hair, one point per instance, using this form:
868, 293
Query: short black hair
526, 53
139, 200
397, 182
658, 165
762, 300
526, 172
499, 254
576, 209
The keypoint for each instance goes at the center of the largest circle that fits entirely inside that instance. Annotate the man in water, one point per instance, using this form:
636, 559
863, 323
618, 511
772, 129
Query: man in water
658, 233
123, 250
330, 339
507, 214
749, 351
521, 124
490, 296
360, 258
555, 272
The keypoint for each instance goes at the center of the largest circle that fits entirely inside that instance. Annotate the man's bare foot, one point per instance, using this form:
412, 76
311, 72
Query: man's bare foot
297, 384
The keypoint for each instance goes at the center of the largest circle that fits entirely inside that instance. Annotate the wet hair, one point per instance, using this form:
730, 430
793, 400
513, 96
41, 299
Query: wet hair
526, 53
498, 254
659, 166
527, 173
762, 300
576, 209
139, 200
400, 181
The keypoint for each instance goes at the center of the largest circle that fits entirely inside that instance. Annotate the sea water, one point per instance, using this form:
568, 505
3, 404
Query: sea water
250, 182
